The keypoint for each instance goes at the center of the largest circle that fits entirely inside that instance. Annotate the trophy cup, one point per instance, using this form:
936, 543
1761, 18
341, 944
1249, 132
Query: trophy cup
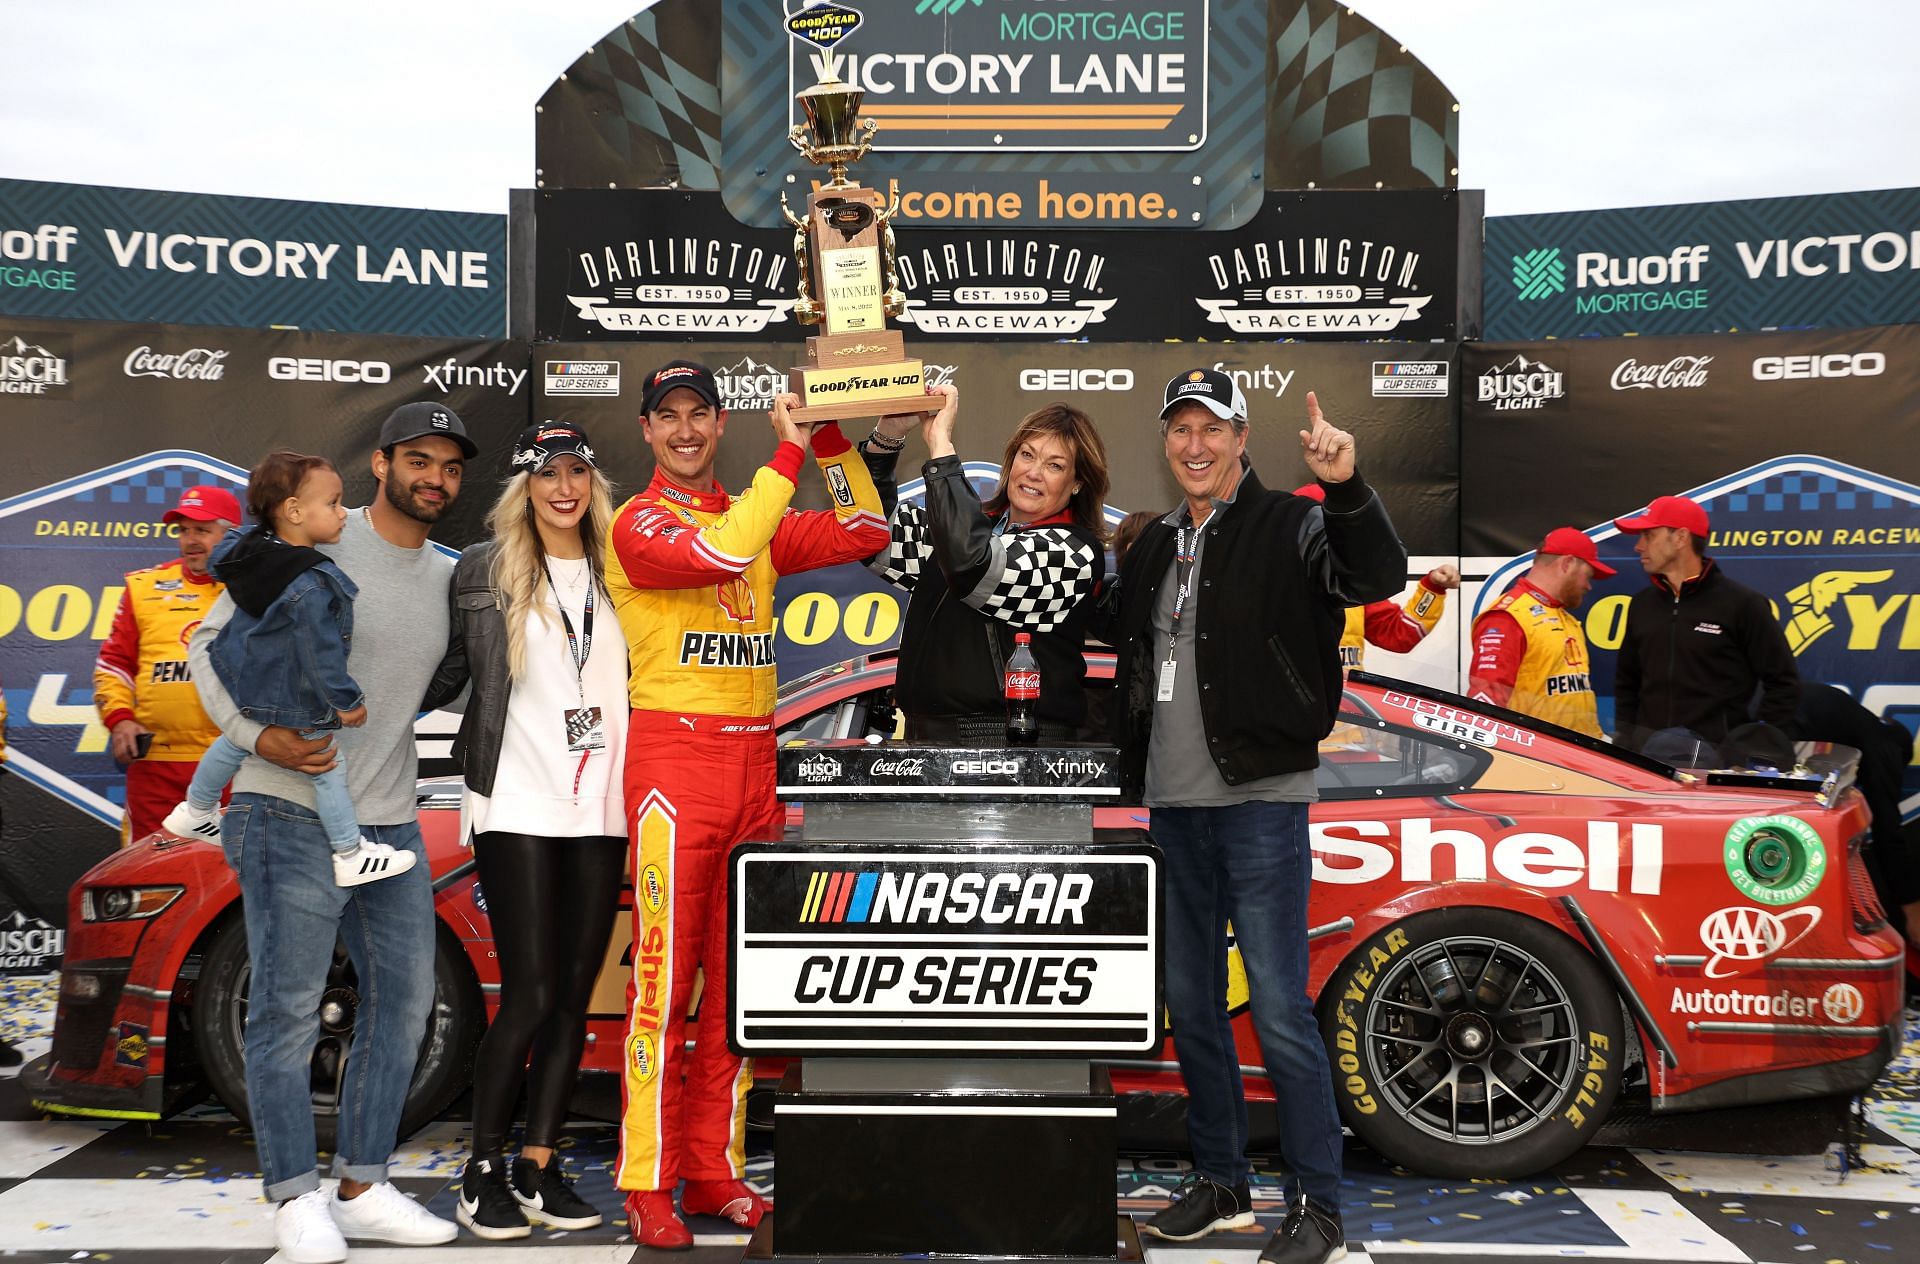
844, 250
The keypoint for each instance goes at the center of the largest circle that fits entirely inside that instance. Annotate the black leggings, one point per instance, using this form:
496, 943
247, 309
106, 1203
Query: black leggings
551, 902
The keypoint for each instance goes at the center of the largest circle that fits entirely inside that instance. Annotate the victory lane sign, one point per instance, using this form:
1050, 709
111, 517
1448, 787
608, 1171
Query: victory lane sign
937, 949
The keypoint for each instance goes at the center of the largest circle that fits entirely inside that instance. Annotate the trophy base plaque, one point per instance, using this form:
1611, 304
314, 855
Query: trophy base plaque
858, 375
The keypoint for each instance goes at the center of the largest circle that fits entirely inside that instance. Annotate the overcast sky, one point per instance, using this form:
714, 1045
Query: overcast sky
1566, 104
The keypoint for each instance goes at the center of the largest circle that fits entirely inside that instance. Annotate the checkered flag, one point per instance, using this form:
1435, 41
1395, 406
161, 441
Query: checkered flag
1036, 578
909, 548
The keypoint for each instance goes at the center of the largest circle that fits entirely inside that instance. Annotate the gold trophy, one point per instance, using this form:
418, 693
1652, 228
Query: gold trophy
844, 249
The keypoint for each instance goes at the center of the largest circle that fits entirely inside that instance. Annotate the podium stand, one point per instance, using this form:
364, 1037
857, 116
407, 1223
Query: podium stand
946, 943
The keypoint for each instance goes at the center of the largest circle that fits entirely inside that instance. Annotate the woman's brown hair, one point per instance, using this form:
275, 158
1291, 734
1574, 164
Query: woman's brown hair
1075, 429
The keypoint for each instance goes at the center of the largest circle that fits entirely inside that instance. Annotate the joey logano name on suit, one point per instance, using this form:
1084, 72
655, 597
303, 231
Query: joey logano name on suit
726, 649
1423, 850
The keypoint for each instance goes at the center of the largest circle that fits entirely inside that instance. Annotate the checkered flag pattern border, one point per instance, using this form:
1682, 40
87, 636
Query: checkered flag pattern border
1041, 576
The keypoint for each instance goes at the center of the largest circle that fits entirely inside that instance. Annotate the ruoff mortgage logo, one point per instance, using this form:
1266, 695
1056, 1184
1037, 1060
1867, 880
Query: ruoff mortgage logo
748, 383
1522, 384
674, 285
1316, 285
34, 367
1539, 274
1002, 285
1604, 284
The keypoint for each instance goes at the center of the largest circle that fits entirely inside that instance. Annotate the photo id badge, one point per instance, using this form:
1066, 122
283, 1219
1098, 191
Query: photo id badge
584, 731
1166, 682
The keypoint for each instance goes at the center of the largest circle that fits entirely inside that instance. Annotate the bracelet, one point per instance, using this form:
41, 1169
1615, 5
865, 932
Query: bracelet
881, 443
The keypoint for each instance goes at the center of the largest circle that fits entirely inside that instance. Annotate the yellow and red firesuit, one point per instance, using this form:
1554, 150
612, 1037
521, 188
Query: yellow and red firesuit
691, 573
1530, 654
141, 674
1390, 624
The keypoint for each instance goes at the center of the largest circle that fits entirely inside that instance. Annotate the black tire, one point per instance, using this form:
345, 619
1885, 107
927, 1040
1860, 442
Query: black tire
446, 1052
1473, 1042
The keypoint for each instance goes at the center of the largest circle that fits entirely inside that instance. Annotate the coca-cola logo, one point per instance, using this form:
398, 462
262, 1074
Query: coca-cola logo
200, 364
1683, 371
1023, 684
898, 768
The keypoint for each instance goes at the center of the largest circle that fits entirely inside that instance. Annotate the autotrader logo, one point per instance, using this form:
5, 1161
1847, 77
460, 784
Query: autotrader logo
1539, 273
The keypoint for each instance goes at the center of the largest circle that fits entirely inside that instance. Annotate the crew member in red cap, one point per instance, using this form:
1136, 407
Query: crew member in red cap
1703, 660
141, 684
1394, 626
1529, 652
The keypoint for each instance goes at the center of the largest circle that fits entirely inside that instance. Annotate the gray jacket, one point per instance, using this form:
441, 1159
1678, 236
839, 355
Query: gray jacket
476, 652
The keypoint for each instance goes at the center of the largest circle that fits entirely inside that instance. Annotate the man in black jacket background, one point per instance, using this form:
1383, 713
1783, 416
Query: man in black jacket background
1227, 621
1703, 661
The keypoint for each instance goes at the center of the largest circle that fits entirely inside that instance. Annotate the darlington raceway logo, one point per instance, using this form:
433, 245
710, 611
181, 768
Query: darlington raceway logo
28, 944
1605, 283
34, 367
676, 285
1522, 384
198, 364
1316, 285
1002, 285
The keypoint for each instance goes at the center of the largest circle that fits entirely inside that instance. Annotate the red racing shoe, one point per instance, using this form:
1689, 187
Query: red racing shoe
729, 1200
652, 1222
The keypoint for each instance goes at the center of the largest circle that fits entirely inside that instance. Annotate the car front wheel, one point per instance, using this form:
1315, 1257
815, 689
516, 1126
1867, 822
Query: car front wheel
445, 1066
1473, 1042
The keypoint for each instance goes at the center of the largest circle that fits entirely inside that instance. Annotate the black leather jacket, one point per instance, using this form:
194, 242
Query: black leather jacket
476, 653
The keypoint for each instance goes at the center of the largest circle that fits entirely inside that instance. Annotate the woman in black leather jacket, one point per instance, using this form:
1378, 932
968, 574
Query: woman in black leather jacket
541, 747
1028, 560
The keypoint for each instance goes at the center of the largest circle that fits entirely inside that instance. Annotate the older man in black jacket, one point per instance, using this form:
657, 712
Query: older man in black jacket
1227, 619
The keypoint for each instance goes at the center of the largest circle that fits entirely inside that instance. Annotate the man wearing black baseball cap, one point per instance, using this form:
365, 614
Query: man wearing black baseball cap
691, 570
295, 912
1229, 613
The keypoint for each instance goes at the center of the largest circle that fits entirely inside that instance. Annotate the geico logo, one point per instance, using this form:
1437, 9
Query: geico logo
289, 369
1599, 269
1528, 858
1024, 899
1076, 379
984, 767
1776, 368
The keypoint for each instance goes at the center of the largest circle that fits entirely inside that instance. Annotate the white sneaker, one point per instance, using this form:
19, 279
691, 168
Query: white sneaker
187, 821
384, 1214
369, 862
304, 1231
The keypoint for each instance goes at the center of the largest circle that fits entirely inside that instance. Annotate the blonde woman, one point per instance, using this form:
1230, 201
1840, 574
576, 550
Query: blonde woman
542, 747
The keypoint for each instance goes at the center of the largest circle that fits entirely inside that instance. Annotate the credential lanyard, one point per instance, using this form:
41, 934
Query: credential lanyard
578, 650
1186, 541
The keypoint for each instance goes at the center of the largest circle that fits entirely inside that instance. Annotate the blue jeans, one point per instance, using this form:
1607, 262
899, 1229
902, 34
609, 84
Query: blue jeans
1249, 863
337, 817
293, 913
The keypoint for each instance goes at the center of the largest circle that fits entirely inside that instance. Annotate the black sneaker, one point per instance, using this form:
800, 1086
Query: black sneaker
546, 1195
1199, 1207
487, 1206
1309, 1235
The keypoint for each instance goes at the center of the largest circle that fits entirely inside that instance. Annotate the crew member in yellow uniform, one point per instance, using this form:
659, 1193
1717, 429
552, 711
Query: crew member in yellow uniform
141, 685
691, 571
1392, 625
1529, 653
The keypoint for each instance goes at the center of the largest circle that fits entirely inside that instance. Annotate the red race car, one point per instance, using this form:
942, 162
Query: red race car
1511, 922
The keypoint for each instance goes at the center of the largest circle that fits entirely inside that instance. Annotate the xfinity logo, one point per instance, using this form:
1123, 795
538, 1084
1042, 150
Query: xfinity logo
817, 768
289, 369
444, 377
984, 767
1739, 936
1681, 372
199, 364
1252, 381
1794, 368
1065, 766
1076, 379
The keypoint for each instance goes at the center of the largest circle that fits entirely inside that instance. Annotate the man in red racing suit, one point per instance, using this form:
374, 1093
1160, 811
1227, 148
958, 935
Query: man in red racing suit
691, 571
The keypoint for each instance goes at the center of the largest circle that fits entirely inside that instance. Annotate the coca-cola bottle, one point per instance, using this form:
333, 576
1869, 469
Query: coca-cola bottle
1023, 693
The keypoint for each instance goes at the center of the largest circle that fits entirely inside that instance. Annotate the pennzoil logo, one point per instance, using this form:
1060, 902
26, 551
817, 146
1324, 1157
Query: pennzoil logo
726, 649
905, 898
1002, 285
680, 285
653, 888
643, 1056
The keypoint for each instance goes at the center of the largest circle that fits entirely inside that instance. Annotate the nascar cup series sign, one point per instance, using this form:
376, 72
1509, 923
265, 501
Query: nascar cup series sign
937, 949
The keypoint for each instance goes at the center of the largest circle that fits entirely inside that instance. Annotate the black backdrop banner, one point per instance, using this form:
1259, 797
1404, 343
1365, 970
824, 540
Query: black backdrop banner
659, 264
1804, 448
124, 418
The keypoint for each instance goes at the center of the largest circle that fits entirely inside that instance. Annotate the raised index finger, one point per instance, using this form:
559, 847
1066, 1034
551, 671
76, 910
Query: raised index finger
1315, 418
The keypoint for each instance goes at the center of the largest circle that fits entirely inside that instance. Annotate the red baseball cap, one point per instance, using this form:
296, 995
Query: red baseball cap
206, 503
1569, 542
1667, 511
